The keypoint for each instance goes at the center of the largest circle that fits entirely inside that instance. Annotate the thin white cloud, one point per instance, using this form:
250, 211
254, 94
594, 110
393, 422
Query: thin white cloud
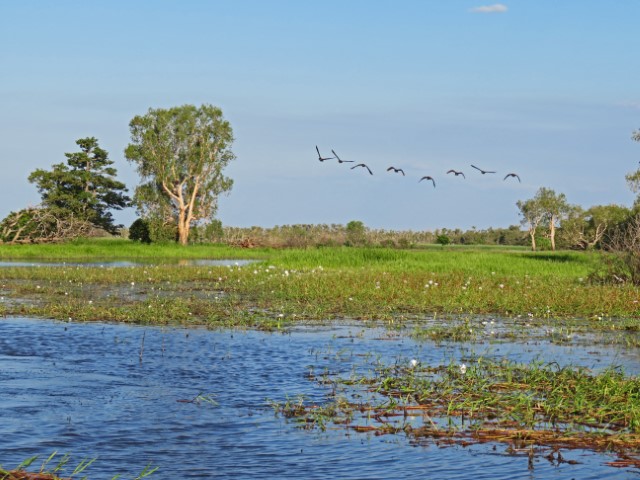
633, 105
495, 8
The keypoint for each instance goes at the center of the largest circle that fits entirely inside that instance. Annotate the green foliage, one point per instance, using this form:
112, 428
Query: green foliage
356, 233
85, 188
180, 154
18, 226
443, 240
139, 231
161, 231
211, 232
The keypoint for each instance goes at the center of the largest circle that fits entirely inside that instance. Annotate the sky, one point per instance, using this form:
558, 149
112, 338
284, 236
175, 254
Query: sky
546, 89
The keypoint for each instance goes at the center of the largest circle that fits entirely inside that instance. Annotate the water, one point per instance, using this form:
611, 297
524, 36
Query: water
83, 389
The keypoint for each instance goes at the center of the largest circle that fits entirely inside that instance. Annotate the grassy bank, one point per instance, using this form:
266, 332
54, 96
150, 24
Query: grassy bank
290, 285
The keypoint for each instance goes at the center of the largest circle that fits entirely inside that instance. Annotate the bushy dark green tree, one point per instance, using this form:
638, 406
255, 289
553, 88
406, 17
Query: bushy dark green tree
84, 188
443, 240
139, 231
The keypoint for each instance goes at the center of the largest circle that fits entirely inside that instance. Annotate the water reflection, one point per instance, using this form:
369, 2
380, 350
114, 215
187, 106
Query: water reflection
112, 392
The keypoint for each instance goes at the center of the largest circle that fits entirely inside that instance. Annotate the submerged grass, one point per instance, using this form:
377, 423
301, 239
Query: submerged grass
519, 404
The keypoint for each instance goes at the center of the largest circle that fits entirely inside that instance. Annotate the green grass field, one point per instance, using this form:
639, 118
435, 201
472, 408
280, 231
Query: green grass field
290, 285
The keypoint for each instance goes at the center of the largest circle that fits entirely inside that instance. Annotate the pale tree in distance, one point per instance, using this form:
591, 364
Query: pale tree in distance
532, 216
633, 178
555, 207
180, 154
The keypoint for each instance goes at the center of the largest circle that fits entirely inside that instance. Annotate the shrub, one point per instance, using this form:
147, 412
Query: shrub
139, 231
443, 240
356, 233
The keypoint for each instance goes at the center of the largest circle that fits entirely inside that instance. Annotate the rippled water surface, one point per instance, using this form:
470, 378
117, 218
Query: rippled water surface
91, 390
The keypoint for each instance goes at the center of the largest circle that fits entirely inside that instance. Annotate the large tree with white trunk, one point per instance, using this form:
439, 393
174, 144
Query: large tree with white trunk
180, 154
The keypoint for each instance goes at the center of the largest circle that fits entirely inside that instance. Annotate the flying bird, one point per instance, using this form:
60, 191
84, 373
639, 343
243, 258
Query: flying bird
512, 175
362, 165
320, 157
427, 177
456, 173
396, 170
482, 171
340, 160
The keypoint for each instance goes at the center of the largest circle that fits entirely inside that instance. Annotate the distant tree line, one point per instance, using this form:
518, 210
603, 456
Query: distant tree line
180, 154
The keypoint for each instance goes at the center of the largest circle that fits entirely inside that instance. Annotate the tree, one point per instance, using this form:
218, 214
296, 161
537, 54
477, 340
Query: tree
180, 154
633, 178
555, 207
443, 240
532, 215
586, 229
85, 188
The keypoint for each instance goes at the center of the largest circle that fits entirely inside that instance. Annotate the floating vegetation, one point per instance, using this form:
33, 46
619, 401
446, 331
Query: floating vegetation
522, 405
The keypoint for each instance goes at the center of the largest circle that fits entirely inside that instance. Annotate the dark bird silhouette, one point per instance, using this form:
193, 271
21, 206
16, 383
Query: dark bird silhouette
340, 160
396, 170
362, 165
512, 175
320, 157
427, 177
482, 171
456, 173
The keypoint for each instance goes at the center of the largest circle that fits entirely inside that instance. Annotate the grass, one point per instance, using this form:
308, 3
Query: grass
292, 285
519, 404
55, 467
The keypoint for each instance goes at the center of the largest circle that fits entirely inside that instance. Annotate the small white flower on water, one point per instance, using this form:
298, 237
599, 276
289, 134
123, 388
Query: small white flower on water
133, 283
38, 286
463, 368
413, 363
501, 285
479, 288
90, 302
281, 315
430, 282
435, 284
426, 285
351, 298
484, 323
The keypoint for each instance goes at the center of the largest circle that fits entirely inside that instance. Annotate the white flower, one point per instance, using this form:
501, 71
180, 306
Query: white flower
413, 363
463, 368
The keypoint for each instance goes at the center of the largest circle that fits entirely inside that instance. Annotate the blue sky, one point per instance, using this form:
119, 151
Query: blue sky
546, 89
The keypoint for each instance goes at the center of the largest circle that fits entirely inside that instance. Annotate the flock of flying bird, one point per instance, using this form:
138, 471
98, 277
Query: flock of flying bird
400, 170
